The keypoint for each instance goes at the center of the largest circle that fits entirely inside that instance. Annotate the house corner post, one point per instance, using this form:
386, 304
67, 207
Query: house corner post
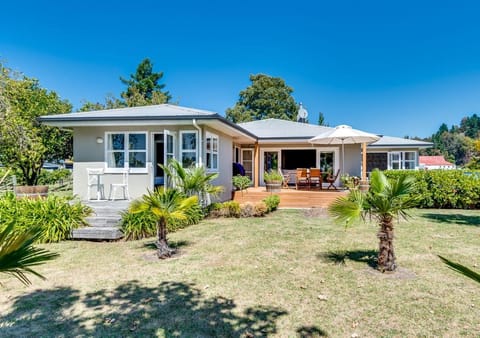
364, 162
257, 165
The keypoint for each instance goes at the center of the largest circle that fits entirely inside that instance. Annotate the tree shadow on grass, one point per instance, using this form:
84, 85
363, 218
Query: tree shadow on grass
340, 257
172, 244
461, 219
171, 309
310, 332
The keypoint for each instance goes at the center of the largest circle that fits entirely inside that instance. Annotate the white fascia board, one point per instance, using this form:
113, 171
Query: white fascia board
285, 141
69, 124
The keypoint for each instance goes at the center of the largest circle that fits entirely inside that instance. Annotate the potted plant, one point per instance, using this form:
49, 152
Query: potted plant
273, 180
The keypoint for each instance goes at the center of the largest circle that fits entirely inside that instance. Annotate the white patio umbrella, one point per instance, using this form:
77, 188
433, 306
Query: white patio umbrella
344, 134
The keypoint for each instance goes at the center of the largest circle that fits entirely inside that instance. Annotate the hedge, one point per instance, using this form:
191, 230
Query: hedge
444, 189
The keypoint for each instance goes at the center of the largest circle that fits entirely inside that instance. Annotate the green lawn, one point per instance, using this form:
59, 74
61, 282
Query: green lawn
293, 273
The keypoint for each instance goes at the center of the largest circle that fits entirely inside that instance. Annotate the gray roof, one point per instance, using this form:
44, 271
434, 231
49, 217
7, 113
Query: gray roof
282, 129
269, 129
390, 141
276, 129
161, 111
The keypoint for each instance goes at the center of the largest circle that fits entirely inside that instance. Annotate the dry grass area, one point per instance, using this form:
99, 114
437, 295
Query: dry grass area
294, 273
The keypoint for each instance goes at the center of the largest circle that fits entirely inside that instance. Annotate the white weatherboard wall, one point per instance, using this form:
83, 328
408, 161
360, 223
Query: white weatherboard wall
90, 154
87, 153
225, 158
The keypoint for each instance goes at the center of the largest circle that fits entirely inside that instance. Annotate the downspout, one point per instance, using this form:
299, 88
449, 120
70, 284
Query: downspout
200, 143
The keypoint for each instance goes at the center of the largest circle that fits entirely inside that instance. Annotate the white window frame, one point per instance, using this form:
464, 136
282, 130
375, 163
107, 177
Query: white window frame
126, 152
212, 138
182, 151
249, 173
262, 159
401, 159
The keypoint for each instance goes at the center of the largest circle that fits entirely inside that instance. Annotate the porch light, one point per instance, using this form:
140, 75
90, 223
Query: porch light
99, 140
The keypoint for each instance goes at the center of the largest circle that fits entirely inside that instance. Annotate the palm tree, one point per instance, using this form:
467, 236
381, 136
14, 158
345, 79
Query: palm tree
17, 253
193, 181
164, 205
385, 200
462, 269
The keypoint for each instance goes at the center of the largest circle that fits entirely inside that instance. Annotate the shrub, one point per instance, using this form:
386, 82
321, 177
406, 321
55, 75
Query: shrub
260, 209
247, 210
272, 202
241, 182
447, 189
55, 215
215, 210
49, 177
231, 209
137, 226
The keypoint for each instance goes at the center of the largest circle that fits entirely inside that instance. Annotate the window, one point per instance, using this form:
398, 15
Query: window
127, 151
402, 160
211, 151
410, 160
188, 148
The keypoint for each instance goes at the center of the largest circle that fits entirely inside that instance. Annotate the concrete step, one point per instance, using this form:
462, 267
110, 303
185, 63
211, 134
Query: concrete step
100, 233
104, 221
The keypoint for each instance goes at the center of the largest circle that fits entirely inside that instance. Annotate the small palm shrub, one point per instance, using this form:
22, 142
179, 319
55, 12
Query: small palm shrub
18, 256
56, 216
142, 224
272, 202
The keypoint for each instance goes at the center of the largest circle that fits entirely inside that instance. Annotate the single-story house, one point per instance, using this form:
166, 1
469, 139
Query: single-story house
138, 139
434, 162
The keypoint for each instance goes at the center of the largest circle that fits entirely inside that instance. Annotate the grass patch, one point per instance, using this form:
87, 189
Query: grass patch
282, 275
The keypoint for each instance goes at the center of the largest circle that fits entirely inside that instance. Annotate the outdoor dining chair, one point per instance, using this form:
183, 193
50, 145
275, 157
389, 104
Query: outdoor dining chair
331, 180
301, 179
316, 177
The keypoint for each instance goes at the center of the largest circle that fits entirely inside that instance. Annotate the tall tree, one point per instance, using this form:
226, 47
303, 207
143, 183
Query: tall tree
143, 87
266, 97
384, 201
321, 120
25, 143
111, 102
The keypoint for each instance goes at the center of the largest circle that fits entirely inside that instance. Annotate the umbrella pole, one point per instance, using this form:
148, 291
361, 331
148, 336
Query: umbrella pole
343, 157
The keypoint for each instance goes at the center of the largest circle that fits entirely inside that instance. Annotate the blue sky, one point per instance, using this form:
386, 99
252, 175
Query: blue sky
390, 67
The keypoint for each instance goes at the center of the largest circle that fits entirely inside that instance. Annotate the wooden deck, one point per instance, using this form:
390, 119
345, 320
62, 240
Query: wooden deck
290, 197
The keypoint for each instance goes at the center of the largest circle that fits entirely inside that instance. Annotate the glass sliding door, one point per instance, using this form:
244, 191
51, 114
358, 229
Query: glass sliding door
328, 162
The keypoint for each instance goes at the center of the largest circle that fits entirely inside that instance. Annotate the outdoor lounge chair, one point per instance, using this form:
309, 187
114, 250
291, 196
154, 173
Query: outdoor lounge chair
331, 179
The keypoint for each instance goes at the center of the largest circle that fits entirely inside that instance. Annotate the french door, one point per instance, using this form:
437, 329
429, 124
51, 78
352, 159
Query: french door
248, 162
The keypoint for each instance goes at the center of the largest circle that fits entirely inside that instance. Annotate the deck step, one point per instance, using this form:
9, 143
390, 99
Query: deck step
104, 221
99, 233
